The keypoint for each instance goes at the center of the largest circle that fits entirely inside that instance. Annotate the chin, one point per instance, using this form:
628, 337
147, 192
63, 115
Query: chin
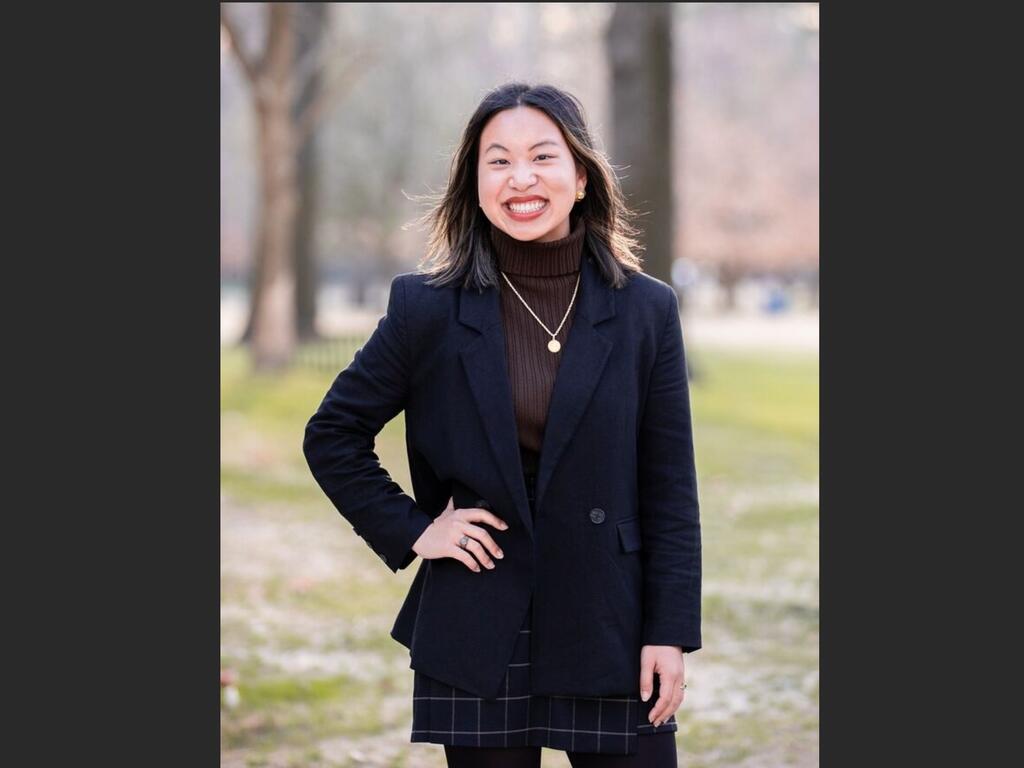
534, 230
527, 236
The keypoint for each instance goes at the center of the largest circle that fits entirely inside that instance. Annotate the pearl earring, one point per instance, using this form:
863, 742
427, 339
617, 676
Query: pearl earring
580, 195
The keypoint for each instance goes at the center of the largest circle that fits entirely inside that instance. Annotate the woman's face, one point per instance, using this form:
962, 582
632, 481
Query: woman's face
527, 179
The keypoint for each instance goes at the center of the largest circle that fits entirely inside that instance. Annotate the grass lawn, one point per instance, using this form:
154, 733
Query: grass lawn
306, 607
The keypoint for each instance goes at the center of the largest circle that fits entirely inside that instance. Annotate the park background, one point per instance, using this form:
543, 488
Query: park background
709, 113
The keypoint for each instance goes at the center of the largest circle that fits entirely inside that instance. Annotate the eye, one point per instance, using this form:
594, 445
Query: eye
539, 157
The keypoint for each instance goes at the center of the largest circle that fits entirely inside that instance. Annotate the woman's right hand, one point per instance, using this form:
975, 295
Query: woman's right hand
441, 538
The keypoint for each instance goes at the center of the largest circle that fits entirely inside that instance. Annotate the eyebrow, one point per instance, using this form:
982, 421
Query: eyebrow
495, 145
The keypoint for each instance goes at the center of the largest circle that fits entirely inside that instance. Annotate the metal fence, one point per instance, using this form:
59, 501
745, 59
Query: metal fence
329, 355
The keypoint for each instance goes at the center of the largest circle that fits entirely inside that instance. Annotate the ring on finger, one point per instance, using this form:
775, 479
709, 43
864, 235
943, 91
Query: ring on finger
464, 541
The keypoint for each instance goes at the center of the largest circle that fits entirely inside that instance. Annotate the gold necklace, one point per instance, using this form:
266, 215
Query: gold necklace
554, 344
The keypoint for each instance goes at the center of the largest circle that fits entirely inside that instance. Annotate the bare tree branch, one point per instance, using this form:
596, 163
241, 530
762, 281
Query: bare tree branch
249, 66
331, 94
280, 38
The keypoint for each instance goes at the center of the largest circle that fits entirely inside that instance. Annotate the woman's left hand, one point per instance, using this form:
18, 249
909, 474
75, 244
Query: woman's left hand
667, 662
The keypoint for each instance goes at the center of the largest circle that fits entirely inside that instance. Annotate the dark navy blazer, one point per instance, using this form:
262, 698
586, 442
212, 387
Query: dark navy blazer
613, 558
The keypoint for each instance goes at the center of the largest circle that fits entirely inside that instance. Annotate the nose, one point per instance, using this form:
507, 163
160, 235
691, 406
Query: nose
521, 180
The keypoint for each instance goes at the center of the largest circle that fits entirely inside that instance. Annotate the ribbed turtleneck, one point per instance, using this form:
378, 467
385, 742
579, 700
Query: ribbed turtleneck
545, 275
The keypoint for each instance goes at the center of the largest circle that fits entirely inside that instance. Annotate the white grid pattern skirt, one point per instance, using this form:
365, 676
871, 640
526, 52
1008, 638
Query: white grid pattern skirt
443, 714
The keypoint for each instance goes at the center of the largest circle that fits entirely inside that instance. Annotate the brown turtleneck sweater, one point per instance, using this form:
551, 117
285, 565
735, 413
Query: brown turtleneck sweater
545, 275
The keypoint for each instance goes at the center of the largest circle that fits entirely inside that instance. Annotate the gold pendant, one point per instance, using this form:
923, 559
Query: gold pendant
554, 346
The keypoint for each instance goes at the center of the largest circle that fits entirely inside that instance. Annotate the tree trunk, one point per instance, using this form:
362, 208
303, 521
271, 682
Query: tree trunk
639, 43
273, 329
640, 52
310, 24
256, 279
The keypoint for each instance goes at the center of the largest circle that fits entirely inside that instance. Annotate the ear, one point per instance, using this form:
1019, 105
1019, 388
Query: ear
581, 174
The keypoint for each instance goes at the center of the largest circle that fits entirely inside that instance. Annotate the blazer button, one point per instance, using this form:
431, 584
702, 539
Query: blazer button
483, 504
597, 515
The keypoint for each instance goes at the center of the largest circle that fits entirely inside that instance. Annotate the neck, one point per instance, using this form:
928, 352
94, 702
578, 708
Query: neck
532, 258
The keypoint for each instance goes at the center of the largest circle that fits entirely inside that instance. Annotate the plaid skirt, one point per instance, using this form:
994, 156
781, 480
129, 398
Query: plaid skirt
443, 714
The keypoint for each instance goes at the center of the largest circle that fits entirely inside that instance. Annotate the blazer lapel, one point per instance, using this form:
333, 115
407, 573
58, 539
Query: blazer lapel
583, 360
487, 372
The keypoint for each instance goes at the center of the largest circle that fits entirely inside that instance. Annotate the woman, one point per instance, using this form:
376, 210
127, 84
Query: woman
543, 381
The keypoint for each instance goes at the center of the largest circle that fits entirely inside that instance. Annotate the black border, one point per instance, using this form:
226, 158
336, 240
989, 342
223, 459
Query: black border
904, 147
114, 549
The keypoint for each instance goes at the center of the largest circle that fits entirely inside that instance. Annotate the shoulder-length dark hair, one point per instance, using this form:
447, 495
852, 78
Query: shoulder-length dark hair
458, 245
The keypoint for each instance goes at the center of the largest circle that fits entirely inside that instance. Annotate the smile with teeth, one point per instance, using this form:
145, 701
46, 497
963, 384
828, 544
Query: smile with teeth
531, 207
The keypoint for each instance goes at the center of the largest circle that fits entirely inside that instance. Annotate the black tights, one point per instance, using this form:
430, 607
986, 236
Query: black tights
655, 750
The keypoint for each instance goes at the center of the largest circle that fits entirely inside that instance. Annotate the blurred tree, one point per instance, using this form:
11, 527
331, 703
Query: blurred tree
311, 20
272, 317
639, 41
276, 78
374, 157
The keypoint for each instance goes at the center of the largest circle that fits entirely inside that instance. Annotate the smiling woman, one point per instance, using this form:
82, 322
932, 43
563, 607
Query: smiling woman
543, 379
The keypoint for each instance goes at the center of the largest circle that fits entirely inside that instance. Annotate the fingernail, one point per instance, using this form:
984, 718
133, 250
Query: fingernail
645, 695
500, 554
504, 526
477, 569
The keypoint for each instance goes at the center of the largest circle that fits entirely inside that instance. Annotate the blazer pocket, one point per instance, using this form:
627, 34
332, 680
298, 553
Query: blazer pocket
629, 535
